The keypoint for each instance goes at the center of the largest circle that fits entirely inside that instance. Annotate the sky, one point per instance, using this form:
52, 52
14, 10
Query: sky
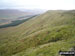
38, 4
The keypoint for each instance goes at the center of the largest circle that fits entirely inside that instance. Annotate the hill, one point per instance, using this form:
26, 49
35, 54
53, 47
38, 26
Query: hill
8, 15
42, 35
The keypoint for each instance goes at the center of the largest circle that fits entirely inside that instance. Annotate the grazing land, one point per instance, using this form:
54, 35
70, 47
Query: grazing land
42, 35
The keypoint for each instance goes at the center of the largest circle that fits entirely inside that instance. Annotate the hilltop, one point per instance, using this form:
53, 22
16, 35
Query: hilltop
43, 35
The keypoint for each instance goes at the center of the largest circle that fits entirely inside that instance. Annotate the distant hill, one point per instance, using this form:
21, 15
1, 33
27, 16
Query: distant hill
43, 35
7, 15
12, 11
34, 11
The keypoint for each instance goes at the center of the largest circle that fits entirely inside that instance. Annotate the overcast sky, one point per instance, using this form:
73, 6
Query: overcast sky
37, 4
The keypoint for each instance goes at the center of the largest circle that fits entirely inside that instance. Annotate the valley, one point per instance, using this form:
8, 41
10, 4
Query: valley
9, 15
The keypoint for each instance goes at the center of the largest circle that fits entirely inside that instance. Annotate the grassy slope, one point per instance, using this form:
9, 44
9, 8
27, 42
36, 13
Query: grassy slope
43, 35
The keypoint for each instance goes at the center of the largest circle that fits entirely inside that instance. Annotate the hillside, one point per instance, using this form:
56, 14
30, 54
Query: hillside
42, 35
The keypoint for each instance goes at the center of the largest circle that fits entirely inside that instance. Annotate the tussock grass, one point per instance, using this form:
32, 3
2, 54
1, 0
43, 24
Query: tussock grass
42, 35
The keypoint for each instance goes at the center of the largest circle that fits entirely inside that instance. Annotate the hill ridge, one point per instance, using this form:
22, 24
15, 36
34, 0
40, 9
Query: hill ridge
55, 27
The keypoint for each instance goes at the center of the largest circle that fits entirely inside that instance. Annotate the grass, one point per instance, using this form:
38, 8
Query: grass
42, 35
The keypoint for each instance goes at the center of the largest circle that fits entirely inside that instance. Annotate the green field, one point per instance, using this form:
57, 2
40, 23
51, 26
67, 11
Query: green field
43, 35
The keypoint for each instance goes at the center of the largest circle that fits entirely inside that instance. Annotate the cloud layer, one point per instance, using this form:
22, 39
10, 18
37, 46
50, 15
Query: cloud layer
40, 4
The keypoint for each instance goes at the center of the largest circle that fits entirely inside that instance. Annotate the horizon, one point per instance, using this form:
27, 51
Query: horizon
38, 10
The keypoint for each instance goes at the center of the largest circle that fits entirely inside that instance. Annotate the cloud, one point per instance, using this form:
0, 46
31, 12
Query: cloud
42, 4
